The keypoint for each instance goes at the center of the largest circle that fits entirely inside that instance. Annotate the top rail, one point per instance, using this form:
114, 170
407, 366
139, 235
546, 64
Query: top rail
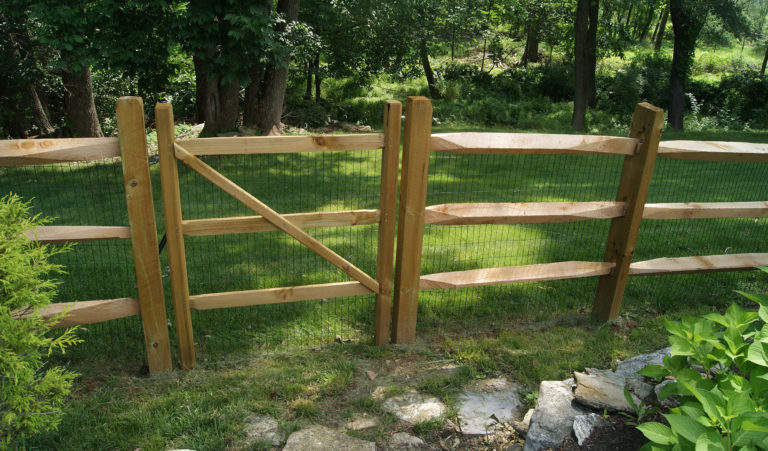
713, 151
531, 143
25, 152
281, 144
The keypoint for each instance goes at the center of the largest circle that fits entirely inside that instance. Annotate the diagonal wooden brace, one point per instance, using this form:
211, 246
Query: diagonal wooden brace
275, 218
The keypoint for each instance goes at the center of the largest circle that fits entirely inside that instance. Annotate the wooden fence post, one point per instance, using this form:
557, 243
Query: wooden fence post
177, 259
410, 230
633, 189
141, 217
387, 207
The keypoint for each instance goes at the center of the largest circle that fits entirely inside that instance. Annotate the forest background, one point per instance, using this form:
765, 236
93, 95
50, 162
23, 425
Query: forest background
552, 65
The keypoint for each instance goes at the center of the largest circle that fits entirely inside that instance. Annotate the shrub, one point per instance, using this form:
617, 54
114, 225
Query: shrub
720, 369
31, 392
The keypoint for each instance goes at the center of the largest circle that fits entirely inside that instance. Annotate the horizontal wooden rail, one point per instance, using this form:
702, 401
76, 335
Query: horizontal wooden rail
62, 234
281, 144
713, 151
88, 312
277, 295
24, 152
248, 224
706, 210
521, 213
531, 143
514, 274
704, 263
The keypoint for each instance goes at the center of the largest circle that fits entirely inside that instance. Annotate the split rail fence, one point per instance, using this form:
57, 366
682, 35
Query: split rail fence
395, 309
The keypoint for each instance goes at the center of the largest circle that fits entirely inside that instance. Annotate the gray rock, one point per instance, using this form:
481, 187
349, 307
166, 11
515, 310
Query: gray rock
361, 422
318, 437
485, 404
602, 390
552, 420
630, 367
583, 425
669, 402
401, 440
640, 388
414, 407
263, 429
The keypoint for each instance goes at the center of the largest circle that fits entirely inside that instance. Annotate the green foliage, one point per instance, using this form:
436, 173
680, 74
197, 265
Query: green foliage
720, 369
31, 394
640, 410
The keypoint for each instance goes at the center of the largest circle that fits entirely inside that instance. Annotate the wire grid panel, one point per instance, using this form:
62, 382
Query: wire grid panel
86, 193
700, 181
288, 183
462, 178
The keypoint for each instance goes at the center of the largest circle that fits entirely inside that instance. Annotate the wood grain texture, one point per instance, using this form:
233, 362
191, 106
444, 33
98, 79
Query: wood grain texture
704, 263
277, 295
174, 232
521, 213
275, 218
514, 274
63, 234
706, 210
530, 143
385, 256
249, 224
413, 195
141, 216
713, 151
23, 152
89, 312
633, 189
281, 144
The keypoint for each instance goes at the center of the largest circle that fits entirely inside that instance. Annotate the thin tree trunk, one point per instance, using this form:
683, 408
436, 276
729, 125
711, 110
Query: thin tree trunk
79, 106
765, 60
252, 95
594, 7
482, 63
39, 115
646, 26
662, 27
275, 78
316, 65
199, 89
308, 92
431, 82
531, 53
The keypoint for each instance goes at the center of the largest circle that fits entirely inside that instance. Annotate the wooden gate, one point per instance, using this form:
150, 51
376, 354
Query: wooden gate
188, 151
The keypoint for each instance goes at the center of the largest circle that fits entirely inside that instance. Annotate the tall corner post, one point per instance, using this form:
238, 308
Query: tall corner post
410, 230
177, 260
390, 161
635, 180
141, 217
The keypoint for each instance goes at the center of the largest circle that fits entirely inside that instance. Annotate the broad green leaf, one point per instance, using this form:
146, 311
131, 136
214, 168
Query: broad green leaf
654, 372
685, 427
756, 353
658, 433
761, 299
758, 379
711, 441
675, 328
746, 438
680, 346
763, 313
710, 401
739, 403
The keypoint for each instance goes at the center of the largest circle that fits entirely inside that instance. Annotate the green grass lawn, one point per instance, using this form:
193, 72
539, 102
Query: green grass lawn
529, 331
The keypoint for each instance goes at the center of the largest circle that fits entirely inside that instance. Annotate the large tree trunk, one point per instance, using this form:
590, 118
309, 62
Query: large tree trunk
687, 22
218, 103
431, 82
275, 78
37, 108
252, 96
584, 55
659, 39
79, 106
531, 52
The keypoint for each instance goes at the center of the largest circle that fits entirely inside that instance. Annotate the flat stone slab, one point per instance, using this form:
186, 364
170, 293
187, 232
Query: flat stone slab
360, 422
552, 420
583, 425
604, 389
486, 403
630, 367
414, 407
317, 437
263, 429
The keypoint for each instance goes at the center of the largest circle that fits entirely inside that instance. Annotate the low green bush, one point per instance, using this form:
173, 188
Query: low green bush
31, 391
720, 368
